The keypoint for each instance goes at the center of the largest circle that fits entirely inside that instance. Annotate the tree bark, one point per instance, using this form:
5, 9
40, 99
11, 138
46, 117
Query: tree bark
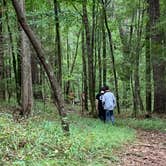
137, 58
84, 96
112, 56
2, 92
67, 86
148, 69
26, 77
158, 60
58, 100
90, 58
99, 59
104, 54
58, 61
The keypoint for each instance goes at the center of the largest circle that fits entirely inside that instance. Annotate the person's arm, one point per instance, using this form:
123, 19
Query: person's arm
103, 100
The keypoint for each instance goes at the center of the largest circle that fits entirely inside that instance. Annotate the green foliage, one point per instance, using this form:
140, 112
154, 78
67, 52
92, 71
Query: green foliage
146, 124
40, 141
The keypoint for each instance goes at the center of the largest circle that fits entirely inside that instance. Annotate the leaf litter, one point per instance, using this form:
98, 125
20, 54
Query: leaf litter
149, 149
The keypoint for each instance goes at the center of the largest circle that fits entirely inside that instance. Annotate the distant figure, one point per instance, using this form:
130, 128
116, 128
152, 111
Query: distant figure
109, 103
99, 106
71, 97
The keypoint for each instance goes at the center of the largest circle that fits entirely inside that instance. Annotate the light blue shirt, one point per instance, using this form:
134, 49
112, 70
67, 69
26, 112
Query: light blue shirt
108, 100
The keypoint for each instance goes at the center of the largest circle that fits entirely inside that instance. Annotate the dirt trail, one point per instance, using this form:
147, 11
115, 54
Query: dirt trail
148, 150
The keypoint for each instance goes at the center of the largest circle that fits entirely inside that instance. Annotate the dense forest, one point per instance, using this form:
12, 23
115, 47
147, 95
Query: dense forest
62, 52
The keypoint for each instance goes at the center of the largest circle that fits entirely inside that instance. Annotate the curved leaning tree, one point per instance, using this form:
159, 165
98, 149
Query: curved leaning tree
56, 91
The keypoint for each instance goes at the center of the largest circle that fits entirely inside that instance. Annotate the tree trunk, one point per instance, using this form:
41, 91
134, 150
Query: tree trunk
148, 69
158, 60
112, 56
94, 111
84, 96
2, 96
58, 61
137, 57
104, 54
26, 77
90, 59
99, 59
67, 86
58, 100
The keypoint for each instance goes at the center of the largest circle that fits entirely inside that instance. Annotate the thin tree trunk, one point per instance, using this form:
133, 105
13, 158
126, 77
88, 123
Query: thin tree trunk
19, 59
148, 71
85, 85
104, 54
58, 62
135, 108
94, 111
137, 58
58, 100
90, 59
112, 56
99, 60
2, 91
8, 77
67, 86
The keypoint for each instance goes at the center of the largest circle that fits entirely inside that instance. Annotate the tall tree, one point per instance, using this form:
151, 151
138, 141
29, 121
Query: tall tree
26, 76
57, 95
58, 58
138, 48
104, 52
104, 4
158, 60
99, 58
84, 68
90, 57
148, 68
1, 54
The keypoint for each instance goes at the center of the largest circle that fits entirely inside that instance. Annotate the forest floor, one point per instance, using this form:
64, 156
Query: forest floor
149, 149
131, 142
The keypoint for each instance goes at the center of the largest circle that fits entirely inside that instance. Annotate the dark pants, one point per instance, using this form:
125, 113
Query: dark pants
109, 116
101, 114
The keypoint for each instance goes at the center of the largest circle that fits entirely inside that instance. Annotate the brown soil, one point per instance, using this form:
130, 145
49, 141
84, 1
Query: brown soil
148, 150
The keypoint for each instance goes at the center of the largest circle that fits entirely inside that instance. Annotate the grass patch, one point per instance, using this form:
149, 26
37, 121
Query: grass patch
40, 141
145, 124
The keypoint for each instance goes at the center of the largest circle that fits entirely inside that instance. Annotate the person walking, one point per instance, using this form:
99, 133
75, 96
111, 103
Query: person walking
109, 103
99, 106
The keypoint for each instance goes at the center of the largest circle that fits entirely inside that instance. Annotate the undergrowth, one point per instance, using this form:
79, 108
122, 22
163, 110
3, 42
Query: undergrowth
39, 141
145, 124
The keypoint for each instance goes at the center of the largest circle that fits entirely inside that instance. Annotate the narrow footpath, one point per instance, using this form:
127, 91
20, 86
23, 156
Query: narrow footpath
148, 150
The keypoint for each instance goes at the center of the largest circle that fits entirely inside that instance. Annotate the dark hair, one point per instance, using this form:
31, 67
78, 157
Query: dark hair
106, 87
102, 89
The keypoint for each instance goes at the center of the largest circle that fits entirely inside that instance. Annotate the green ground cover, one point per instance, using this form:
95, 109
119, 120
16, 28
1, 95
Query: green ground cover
39, 141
